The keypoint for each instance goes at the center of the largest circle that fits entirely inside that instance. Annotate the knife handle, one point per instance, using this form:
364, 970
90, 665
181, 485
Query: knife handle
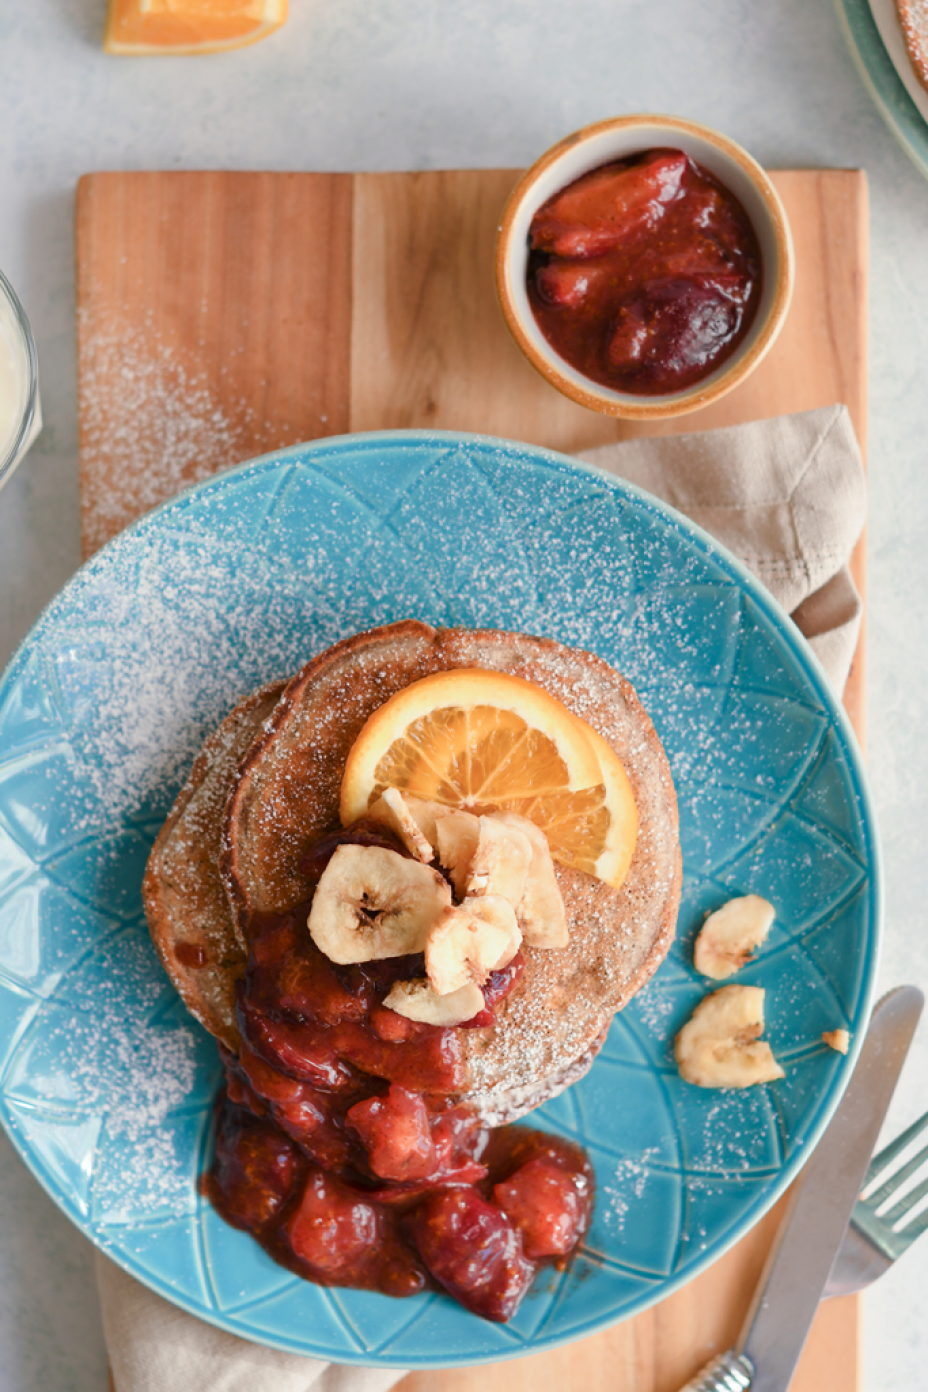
728, 1372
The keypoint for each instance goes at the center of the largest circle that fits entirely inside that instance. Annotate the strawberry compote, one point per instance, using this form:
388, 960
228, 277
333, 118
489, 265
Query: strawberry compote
340, 1148
644, 274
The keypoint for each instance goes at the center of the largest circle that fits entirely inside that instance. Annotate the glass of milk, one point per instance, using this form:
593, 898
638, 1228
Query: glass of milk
20, 413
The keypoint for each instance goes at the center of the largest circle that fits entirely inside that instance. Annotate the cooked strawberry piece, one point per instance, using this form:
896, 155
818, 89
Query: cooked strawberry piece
497, 985
633, 334
327, 1148
545, 1203
567, 283
707, 207
302, 1052
381, 973
460, 1171
394, 1131
308, 986
319, 1136
472, 1249
361, 833
302, 1111
266, 1080
676, 323
393, 1028
730, 285
287, 973
238, 1088
510, 1147
482, 1020
459, 1139
301, 1117
333, 1229
433, 1066
243, 1095
609, 206
271, 938
545, 1184
255, 1169
399, 1271
702, 257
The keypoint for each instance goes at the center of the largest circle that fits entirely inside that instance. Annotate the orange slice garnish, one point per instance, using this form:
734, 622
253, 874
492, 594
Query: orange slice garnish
487, 741
189, 26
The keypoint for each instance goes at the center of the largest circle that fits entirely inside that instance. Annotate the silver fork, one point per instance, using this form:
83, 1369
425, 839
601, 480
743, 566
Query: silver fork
871, 1244
877, 1235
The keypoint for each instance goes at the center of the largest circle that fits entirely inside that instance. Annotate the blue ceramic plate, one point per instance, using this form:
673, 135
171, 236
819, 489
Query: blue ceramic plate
107, 1083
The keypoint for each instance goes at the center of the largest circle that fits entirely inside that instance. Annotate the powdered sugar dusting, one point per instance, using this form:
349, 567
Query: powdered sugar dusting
162, 661
140, 404
913, 17
626, 1189
103, 1051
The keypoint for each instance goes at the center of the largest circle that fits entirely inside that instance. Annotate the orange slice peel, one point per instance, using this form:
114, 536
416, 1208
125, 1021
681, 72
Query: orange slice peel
488, 741
146, 27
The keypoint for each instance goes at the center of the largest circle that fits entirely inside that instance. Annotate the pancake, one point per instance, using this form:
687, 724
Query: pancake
286, 796
913, 18
191, 923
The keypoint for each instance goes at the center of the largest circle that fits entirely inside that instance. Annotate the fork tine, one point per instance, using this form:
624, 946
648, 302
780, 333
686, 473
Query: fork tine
908, 1234
905, 1204
888, 1154
896, 1180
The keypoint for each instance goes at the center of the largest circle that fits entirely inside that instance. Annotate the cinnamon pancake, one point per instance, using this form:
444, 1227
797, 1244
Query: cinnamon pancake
188, 913
913, 19
287, 795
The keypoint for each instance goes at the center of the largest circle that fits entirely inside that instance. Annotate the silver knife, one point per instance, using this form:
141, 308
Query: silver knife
767, 1349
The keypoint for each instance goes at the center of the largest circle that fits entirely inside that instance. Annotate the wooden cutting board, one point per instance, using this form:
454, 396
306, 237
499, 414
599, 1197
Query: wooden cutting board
222, 315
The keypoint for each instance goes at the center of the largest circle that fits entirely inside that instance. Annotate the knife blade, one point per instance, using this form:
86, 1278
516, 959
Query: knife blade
796, 1272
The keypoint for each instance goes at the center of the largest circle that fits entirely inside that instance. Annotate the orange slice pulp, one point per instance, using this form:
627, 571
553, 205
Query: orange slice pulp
189, 26
487, 741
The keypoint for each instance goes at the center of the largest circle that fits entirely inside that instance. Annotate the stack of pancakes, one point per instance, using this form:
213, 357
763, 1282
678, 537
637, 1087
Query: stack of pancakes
266, 786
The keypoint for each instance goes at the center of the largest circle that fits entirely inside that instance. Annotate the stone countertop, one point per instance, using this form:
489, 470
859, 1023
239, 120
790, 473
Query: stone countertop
407, 84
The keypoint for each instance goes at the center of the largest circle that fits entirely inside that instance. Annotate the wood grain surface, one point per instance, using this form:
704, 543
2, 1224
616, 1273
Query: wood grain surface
221, 315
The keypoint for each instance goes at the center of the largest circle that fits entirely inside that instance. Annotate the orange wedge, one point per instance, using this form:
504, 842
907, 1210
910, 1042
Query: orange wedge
487, 741
189, 26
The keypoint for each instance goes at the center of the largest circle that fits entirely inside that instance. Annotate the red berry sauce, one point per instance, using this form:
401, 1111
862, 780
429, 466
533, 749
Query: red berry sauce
339, 1147
644, 274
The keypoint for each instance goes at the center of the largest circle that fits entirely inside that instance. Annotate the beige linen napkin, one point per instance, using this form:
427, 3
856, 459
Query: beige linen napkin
788, 497
155, 1347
